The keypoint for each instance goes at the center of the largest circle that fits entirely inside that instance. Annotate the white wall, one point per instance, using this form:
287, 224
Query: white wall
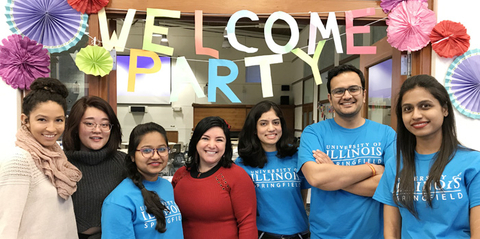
182, 40
9, 98
462, 11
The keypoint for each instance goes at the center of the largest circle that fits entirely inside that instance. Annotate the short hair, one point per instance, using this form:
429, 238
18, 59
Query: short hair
203, 126
43, 90
249, 146
71, 139
342, 69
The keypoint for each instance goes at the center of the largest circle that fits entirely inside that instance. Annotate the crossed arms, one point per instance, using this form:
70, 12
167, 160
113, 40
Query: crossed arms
324, 174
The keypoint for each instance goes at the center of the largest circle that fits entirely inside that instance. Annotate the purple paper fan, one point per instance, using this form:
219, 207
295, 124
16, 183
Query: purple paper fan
53, 23
22, 61
463, 83
388, 5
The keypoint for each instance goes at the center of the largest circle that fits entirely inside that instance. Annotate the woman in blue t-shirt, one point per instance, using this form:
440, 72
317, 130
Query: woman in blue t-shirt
268, 155
142, 205
432, 190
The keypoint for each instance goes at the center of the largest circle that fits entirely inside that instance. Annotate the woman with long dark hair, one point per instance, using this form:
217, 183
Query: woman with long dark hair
216, 197
36, 180
91, 141
268, 154
432, 189
142, 205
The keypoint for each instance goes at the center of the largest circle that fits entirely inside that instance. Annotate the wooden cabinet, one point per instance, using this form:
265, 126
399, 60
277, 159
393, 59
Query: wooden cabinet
235, 114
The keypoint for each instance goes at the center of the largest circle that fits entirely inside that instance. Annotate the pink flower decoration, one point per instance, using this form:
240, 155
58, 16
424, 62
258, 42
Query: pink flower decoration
22, 61
409, 26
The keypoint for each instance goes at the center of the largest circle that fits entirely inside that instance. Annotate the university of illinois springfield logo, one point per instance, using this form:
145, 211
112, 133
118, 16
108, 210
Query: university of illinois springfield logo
450, 188
172, 215
275, 178
355, 154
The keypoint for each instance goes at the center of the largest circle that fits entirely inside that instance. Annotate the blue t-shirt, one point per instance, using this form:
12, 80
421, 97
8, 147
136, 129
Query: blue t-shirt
124, 214
340, 214
279, 199
449, 217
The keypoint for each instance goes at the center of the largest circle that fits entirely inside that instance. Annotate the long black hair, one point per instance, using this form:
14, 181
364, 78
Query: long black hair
203, 126
152, 200
249, 146
406, 143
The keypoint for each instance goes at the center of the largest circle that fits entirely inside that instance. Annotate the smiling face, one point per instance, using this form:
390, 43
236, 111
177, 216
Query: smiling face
422, 113
269, 130
347, 106
211, 148
93, 138
151, 166
46, 122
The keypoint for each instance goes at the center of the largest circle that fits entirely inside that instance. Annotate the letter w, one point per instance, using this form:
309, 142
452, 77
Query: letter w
118, 43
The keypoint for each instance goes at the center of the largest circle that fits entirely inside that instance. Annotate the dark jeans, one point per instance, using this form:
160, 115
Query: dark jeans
266, 235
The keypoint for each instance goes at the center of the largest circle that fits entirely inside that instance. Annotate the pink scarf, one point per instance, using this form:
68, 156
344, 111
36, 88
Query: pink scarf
52, 162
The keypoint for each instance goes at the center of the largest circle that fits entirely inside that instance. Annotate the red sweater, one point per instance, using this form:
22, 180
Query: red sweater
221, 206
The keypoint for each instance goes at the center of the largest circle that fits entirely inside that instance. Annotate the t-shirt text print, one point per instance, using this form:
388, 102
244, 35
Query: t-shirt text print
172, 215
450, 188
355, 154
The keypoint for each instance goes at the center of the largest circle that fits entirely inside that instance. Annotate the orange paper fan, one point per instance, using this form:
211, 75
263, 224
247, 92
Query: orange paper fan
88, 6
449, 39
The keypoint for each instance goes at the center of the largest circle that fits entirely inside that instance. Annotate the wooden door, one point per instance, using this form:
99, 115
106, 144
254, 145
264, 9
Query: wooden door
384, 52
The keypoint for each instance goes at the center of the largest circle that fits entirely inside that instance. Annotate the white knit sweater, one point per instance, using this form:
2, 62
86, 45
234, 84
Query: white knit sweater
29, 204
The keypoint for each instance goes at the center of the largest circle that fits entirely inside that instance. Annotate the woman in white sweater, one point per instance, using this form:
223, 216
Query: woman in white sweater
36, 180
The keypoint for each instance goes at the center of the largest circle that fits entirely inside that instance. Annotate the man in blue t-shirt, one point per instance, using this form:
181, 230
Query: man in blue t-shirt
343, 159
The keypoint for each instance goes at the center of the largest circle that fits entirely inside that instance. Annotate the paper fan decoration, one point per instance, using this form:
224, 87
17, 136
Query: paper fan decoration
88, 6
409, 26
449, 39
22, 61
94, 60
463, 83
53, 23
388, 5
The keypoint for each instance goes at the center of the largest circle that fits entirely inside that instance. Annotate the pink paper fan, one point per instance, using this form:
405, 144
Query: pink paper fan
388, 5
409, 26
22, 61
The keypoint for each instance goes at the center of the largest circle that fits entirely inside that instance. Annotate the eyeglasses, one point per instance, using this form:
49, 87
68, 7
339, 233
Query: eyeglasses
149, 152
105, 127
353, 90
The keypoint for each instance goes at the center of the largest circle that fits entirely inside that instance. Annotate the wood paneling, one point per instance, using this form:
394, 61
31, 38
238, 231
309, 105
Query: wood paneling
235, 116
298, 8
172, 136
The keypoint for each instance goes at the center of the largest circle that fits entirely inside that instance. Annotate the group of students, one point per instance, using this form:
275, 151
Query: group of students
90, 189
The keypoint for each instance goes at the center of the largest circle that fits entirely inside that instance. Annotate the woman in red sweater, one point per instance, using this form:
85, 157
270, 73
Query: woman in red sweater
215, 196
